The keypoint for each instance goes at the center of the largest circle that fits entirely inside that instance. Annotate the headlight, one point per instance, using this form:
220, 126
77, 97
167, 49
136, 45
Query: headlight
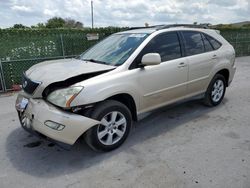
63, 97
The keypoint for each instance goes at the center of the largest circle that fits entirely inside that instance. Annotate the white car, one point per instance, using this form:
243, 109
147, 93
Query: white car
98, 95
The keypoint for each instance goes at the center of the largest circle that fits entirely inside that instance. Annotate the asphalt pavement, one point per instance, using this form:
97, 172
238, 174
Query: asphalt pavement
185, 145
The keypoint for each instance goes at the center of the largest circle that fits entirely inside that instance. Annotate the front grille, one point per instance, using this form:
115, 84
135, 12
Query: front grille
28, 85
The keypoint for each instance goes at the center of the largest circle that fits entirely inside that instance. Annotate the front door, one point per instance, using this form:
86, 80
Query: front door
167, 82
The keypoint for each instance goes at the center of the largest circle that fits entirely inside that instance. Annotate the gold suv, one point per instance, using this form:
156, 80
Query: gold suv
98, 95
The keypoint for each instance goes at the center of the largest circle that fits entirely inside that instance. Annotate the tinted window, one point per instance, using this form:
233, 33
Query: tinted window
167, 45
207, 45
216, 45
193, 43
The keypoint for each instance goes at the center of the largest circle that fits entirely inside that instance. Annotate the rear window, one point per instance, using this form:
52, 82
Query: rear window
216, 45
193, 43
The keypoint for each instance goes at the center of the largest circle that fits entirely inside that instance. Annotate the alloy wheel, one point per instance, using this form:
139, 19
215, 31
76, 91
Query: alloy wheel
217, 91
112, 128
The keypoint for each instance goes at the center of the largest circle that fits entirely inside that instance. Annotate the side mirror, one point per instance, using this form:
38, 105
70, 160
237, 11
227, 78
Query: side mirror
151, 59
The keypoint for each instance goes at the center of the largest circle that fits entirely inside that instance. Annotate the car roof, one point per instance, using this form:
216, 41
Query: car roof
175, 27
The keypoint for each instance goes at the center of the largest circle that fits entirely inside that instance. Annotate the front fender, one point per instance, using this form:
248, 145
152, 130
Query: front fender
96, 94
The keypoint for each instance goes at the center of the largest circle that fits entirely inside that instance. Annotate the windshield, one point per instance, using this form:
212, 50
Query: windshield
115, 49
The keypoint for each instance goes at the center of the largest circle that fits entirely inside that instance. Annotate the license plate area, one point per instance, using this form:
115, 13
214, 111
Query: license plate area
22, 105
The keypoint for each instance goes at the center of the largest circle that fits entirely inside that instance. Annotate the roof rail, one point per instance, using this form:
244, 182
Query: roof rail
148, 27
132, 28
159, 27
203, 26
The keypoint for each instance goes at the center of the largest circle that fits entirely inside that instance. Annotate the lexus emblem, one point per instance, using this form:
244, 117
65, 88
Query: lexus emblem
25, 84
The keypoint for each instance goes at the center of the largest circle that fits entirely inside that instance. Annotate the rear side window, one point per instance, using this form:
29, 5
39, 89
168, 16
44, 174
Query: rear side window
193, 43
166, 44
207, 44
216, 45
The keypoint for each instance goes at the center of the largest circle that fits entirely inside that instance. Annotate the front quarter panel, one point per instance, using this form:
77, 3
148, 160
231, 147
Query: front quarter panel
99, 89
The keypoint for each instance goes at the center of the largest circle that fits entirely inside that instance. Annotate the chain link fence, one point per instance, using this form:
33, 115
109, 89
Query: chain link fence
240, 39
19, 51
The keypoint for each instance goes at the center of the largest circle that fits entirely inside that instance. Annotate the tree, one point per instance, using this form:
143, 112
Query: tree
41, 25
79, 25
71, 23
19, 26
58, 22
246, 25
38, 26
55, 22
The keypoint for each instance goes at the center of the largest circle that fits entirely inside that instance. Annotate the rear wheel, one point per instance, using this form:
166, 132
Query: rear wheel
114, 128
215, 91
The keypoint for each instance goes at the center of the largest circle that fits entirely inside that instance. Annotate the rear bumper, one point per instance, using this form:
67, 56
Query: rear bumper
232, 75
38, 112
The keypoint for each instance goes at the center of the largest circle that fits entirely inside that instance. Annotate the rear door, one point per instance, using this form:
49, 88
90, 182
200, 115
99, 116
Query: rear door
201, 58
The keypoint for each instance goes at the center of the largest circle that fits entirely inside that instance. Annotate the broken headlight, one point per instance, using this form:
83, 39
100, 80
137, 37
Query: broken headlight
64, 97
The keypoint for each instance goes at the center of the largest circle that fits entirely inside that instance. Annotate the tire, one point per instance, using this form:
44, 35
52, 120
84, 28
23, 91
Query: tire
215, 91
117, 122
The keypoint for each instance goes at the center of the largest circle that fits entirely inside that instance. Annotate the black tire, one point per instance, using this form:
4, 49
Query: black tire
209, 99
100, 111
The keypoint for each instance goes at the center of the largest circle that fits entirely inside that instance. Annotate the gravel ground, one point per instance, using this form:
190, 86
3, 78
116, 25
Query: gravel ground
187, 145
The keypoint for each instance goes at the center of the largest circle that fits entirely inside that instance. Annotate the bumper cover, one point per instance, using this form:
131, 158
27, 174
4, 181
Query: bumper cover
38, 112
232, 75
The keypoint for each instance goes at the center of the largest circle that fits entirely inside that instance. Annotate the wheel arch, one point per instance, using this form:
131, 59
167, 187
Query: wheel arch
128, 101
224, 72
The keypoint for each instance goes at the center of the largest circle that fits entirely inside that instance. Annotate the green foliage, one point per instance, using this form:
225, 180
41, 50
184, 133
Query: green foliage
58, 22
226, 26
232, 26
19, 26
246, 26
71, 23
55, 22
39, 26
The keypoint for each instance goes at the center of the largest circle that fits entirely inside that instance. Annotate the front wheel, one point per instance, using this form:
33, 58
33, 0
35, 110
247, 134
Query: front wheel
114, 128
215, 91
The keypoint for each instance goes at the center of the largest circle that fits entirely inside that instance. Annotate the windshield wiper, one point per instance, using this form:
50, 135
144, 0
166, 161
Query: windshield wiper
96, 61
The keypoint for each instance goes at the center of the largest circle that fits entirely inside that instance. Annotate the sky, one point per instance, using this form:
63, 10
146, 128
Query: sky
124, 12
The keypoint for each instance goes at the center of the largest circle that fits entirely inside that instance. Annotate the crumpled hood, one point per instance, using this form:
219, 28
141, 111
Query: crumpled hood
64, 72
58, 70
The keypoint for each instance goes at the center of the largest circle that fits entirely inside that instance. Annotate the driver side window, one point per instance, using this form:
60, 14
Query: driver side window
166, 44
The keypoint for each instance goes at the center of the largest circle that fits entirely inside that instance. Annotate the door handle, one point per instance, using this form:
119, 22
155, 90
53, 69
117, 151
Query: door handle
182, 65
214, 57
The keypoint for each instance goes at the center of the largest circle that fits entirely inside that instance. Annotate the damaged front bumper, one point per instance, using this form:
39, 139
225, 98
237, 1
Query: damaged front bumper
36, 115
